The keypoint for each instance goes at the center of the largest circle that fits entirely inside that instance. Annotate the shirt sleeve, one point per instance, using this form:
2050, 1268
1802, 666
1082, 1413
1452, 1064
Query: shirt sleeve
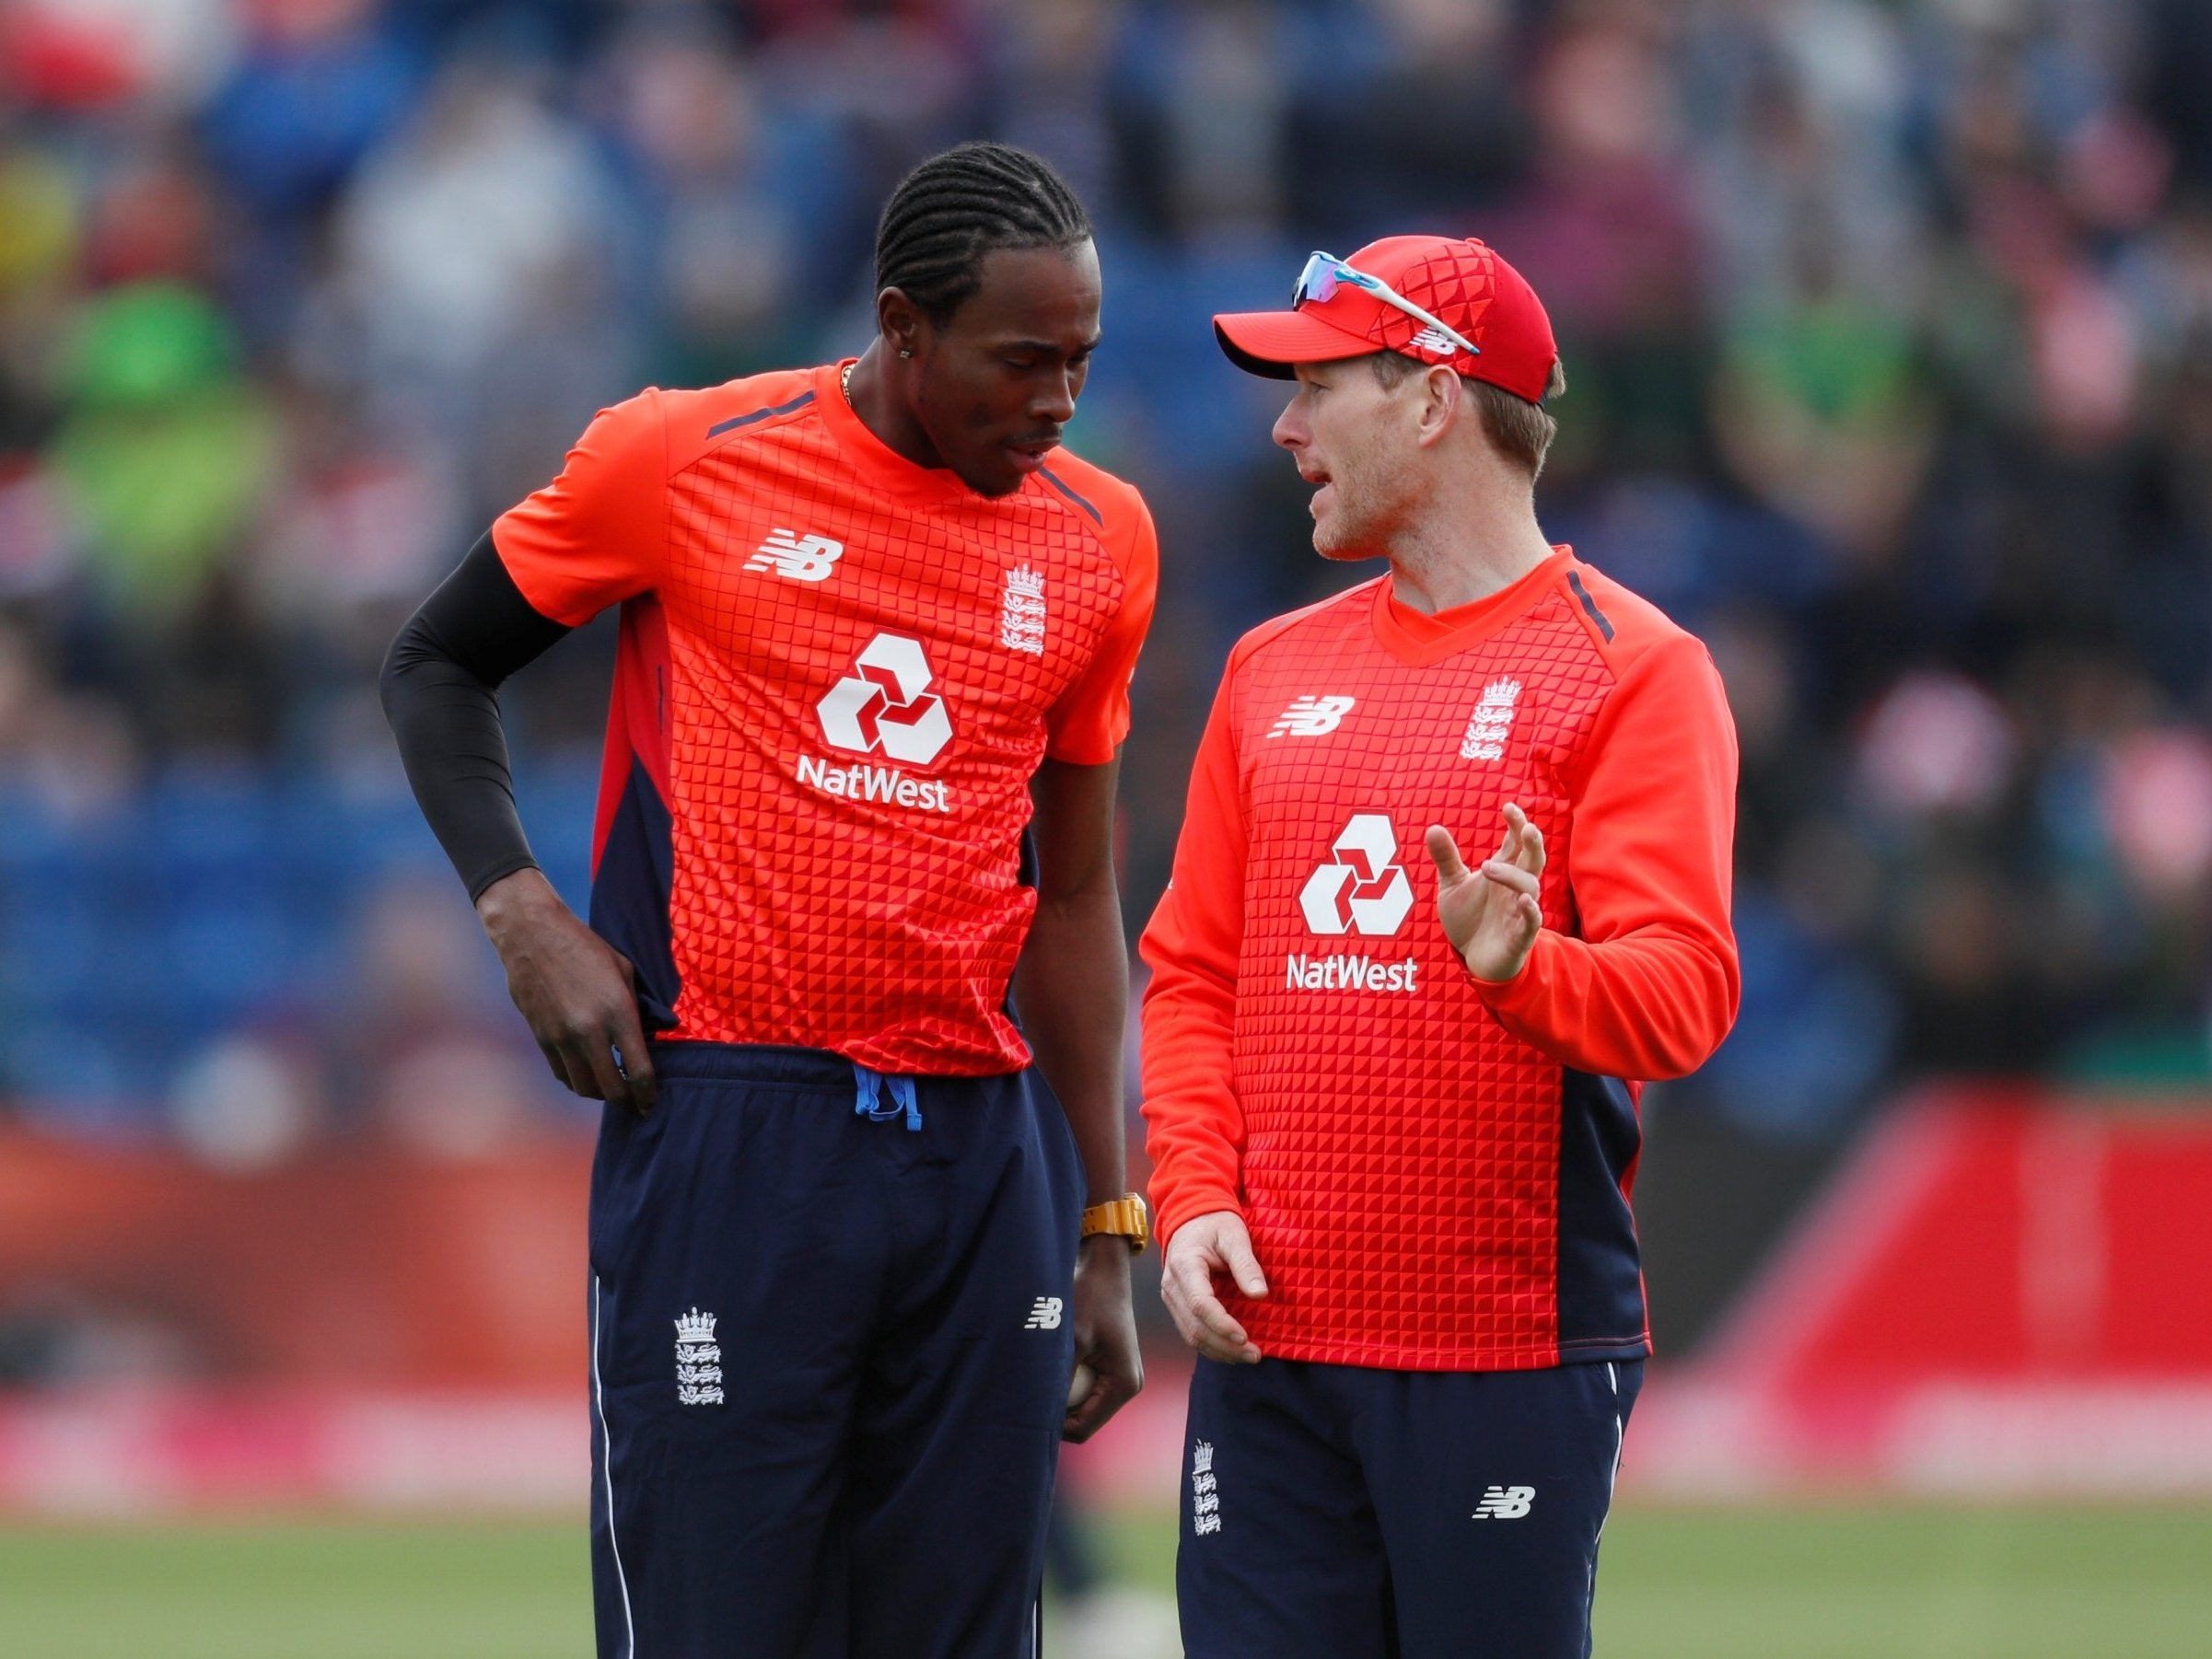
593, 535
1195, 1126
440, 690
1086, 725
1649, 989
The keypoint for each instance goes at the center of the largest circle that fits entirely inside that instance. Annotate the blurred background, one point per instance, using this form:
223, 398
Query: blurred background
1888, 326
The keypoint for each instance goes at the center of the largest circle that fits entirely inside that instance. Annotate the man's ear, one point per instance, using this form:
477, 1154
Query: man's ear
1444, 402
901, 321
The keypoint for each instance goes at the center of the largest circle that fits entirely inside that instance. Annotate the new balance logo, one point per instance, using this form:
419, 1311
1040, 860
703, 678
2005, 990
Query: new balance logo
1021, 611
1435, 339
698, 1361
1312, 717
1044, 1315
1362, 889
1505, 1502
1206, 1497
1493, 722
801, 558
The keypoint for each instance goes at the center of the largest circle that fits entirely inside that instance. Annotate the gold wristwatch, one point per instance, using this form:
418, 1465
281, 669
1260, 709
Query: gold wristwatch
1125, 1216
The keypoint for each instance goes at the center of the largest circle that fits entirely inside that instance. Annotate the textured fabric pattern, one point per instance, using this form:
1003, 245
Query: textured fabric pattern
1395, 1149
858, 664
1456, 282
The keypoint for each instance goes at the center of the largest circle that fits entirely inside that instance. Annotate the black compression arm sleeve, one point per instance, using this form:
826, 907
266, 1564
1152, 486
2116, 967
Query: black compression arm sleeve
439, 687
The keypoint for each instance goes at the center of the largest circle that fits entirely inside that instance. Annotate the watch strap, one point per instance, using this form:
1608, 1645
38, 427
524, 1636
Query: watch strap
1125, 1217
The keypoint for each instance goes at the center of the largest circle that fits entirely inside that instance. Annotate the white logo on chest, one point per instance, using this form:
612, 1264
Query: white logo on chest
801, 558
1021, 610
698, 1361
1363, 888
1493, 722
1312, 717
884, 706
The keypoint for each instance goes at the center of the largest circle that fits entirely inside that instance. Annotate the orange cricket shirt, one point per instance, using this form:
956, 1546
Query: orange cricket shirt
837, 673
1436, 1171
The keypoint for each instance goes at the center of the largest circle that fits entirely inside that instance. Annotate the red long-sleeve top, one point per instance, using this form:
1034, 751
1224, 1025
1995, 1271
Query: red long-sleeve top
1436, 1170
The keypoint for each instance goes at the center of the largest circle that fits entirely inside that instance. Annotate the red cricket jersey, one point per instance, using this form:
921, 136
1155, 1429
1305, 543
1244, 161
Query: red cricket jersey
837, 673
1435, 1170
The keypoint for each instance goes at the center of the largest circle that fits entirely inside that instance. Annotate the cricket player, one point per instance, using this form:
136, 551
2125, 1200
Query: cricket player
1392, 1087
877, 635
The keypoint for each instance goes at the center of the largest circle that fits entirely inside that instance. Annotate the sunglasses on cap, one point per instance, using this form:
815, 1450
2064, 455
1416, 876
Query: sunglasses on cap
1324, 272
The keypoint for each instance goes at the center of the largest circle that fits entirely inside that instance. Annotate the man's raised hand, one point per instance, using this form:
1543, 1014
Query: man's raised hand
1492, 914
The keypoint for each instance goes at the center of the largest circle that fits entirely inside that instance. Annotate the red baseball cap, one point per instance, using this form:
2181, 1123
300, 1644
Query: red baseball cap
1461, 283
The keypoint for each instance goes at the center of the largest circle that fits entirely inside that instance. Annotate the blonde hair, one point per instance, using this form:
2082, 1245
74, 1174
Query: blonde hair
1520, 431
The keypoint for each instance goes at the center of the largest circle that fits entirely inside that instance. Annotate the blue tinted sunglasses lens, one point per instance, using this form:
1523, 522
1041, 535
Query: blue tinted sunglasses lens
1317, 281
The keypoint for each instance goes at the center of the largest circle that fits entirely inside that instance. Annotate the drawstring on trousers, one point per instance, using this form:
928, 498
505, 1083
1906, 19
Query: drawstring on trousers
873, 1085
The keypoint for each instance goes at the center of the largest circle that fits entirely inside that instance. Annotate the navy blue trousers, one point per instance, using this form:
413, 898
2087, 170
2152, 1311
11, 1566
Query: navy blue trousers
1334, 1512
830, 1359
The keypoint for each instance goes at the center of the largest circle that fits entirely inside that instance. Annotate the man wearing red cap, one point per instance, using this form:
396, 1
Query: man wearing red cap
1392, 1099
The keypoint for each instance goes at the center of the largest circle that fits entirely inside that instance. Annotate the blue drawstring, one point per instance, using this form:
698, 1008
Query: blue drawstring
902, 1098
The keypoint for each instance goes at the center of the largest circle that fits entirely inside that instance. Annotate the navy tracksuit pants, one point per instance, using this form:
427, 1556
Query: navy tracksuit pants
830, 1359
1334, 1512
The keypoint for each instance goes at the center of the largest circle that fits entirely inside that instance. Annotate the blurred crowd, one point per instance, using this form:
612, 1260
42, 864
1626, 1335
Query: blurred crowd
1888, 328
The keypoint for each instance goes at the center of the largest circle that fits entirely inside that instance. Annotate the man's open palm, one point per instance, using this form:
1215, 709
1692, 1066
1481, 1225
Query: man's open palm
1491, 914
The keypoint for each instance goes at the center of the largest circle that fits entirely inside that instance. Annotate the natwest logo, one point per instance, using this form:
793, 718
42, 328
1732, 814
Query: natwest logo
885, 785
886, 704
1350, 973
1362, 889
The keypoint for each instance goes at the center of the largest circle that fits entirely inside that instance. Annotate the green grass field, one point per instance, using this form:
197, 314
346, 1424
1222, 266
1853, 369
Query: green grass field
1900, 1583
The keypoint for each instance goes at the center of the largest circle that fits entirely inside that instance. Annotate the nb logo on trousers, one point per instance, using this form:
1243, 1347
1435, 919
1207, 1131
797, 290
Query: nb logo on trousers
1505, 1502
1044, 1315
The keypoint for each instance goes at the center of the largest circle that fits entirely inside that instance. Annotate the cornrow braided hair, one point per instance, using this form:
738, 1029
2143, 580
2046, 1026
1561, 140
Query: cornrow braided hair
958, 206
